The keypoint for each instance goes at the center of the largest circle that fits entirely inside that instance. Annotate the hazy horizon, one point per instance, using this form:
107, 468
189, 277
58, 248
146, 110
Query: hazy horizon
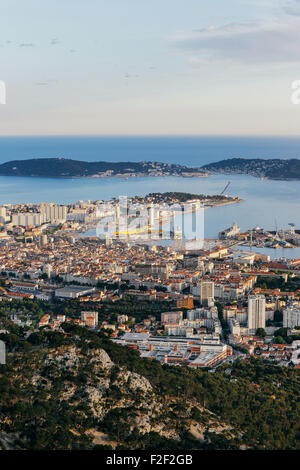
148, 136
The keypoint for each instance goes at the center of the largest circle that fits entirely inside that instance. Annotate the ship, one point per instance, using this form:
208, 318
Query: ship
229, 232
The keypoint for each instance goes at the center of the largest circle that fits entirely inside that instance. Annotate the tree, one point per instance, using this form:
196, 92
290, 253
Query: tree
281, 332
261, 332
44, 276
278, 316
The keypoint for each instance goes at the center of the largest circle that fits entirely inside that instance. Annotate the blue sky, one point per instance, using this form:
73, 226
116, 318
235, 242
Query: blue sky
149, 67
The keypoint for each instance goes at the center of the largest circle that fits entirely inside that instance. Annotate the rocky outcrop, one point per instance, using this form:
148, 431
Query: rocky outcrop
106, 393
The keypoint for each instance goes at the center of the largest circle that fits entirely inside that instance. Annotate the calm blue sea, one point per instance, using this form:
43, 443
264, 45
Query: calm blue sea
185, 150
267, 203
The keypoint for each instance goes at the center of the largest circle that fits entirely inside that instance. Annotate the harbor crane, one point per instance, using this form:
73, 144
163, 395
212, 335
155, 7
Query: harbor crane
227, 185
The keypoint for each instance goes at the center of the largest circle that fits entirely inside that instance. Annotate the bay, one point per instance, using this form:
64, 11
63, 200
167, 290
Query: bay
266, 203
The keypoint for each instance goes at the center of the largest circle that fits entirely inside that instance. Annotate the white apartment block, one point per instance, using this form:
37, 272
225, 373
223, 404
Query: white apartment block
207, 292
234, 327
171, 317
3, 215
27, 218
256, 312
291, 316
54, 213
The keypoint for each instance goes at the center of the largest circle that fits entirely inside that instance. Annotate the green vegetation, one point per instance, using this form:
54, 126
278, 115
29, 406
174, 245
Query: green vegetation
281, 336
272, 168
261, 332
175, 196
140, 309
292, 284
257, 401
224, 324
53, 230
66, 168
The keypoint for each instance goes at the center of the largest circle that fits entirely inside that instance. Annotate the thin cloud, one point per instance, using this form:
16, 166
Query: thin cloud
48, 82
27, 44
272, 41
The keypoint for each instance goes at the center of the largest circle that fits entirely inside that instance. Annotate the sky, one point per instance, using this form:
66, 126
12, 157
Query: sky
159, 67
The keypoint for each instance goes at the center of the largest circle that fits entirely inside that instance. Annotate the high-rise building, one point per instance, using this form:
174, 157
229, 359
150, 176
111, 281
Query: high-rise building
207, 293
53, 213
151, 217
47, 269
27, 218
3, 215
256, 312
291, 316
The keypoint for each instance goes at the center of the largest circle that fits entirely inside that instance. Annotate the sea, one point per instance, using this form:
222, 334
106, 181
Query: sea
268, 204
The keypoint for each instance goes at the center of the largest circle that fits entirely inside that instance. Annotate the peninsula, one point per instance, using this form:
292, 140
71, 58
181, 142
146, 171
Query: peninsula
67, 168
276, 169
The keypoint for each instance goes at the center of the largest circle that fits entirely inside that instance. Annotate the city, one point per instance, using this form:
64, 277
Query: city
149, 231
222, 303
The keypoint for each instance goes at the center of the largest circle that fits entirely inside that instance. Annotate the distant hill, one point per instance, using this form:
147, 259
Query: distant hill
65, 168
272, 169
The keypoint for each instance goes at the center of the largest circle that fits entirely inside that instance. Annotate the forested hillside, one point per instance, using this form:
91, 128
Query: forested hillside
77, 389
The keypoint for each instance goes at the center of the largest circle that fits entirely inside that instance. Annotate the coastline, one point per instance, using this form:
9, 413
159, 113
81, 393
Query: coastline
261, 177
224, 203
118, 176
